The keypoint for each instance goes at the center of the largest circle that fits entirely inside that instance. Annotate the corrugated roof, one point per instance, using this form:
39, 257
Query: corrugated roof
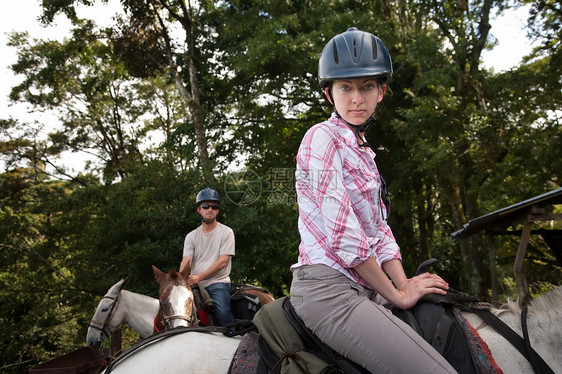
506, 215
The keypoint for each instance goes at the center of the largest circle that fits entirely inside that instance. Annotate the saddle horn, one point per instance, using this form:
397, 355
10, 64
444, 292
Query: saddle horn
426, 266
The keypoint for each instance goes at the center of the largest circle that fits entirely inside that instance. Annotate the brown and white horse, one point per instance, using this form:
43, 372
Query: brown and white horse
177, 304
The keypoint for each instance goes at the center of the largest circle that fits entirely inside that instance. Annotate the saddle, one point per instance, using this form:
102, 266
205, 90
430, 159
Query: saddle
243, 306
286, 343
437, 323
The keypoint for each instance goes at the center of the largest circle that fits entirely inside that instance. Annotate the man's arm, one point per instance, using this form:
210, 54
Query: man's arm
211, 270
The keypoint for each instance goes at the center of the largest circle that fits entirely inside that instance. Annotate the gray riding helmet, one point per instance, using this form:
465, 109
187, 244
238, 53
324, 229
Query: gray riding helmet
207, 194
354, 54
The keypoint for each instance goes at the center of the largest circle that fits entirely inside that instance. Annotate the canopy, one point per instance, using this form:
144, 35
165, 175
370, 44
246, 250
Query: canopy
501, 219
526, 212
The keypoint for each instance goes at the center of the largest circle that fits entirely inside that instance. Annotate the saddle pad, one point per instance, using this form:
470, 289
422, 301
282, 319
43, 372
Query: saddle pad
247, 355
480, 351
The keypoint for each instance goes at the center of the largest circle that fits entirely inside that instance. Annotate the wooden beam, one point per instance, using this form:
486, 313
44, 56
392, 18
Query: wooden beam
544, 217
518, 232
493, 271
520, 280
115, 347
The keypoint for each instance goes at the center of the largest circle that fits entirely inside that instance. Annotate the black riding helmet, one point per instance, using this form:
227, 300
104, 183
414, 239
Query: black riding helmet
354, 54
207, 194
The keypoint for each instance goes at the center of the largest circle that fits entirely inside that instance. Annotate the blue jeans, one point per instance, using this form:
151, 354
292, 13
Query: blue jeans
220, 293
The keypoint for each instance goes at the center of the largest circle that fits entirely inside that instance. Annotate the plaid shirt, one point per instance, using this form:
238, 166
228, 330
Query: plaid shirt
340, 209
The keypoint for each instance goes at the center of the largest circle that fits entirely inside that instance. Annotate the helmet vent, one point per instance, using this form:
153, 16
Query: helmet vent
355, 48
374, 49
335, 49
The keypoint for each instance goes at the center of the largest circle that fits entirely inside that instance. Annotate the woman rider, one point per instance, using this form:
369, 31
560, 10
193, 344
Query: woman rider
347, 249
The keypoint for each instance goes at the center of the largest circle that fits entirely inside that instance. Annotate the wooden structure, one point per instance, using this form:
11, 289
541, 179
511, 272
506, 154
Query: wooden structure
81, 361
526, 213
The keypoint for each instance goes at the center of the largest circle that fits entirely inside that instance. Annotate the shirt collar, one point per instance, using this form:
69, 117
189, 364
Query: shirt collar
347, 134
343, 131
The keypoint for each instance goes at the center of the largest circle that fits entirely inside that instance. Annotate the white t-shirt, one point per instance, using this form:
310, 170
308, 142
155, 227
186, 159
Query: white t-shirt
205, 249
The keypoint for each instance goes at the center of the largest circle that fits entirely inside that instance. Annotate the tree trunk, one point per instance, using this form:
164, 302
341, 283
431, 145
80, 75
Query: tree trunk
192, 97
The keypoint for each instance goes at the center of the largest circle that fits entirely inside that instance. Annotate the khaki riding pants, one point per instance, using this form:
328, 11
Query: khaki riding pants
352, 320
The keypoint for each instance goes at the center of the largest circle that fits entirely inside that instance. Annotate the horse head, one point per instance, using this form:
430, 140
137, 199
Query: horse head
107, 317
176, 299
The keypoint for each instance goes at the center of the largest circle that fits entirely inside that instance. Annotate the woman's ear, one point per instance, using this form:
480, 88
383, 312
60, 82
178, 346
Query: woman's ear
383, 91
328, 93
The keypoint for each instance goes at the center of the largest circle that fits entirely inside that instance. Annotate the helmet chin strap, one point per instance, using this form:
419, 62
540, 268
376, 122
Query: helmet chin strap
360, 128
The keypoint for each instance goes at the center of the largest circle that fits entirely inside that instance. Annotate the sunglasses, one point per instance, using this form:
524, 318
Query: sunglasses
383, 194
207, 206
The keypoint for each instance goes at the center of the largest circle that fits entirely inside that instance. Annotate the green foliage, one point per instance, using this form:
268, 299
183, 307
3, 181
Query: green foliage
37, 319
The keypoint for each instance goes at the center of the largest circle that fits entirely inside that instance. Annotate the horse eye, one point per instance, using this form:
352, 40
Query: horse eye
104, 309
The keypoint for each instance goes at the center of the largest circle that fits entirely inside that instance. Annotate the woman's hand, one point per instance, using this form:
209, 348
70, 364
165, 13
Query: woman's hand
409, 290
416, 287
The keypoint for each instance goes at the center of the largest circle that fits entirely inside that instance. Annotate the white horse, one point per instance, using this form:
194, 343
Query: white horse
187, 352
118, 306
196, 352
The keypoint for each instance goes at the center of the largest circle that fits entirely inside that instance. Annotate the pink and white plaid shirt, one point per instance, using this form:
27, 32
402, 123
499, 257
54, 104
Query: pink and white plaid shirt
340, 208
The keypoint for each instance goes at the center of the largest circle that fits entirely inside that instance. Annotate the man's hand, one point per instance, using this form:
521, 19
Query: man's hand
194, 279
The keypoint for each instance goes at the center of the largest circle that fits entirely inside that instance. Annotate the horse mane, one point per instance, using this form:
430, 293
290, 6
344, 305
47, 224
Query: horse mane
543, 317
551, 300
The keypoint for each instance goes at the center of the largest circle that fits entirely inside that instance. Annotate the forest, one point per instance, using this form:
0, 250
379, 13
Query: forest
179, 95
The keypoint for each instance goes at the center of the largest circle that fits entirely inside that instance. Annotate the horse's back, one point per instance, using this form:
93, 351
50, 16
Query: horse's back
506, 356
188, 352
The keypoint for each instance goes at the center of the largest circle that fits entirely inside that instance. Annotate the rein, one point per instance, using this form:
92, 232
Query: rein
523, 345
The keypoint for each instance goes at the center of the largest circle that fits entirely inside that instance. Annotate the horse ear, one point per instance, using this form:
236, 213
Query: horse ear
158, 274
125, 281
185, 272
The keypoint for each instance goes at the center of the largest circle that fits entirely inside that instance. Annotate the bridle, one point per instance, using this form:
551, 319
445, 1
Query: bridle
102, 326
167, 320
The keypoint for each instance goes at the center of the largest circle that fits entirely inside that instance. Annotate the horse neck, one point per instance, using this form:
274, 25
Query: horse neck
544, 326
139, 312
